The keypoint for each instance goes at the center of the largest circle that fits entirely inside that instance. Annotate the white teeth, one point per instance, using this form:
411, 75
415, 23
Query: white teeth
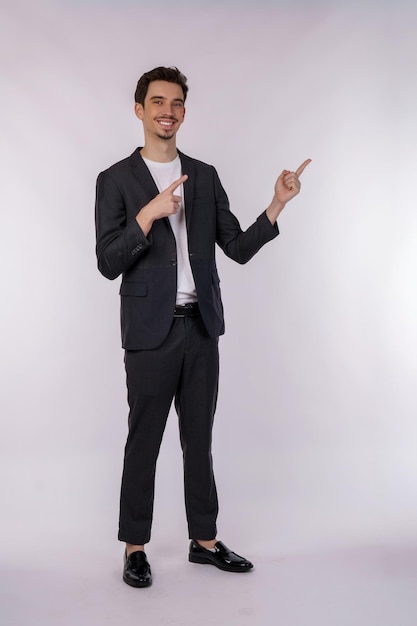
166, 123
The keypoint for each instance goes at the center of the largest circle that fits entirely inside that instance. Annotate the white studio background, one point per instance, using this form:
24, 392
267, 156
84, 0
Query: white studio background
316, 425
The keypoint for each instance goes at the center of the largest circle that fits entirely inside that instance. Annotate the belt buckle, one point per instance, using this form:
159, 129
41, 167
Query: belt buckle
184, 310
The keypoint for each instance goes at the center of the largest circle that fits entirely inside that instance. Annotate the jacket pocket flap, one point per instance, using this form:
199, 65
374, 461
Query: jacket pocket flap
133, 289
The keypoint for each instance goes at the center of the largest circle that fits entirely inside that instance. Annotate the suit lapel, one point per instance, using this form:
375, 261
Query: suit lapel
187, 167
143, 175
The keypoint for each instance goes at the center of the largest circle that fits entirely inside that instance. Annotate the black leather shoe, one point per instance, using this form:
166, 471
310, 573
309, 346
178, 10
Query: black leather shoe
222, 557
136, 570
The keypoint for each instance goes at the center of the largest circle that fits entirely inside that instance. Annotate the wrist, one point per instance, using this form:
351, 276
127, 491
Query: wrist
274, 209
144, 221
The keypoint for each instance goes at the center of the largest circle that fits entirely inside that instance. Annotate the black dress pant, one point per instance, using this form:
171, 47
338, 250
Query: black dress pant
184, 368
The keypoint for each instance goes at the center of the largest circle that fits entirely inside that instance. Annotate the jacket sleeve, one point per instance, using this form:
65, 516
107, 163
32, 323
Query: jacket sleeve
239, 245
119, 242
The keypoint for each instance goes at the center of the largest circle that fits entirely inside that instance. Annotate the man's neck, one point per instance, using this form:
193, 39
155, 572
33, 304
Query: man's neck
160, 151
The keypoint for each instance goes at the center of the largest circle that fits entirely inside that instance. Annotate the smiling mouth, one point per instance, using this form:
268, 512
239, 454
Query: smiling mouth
166, 123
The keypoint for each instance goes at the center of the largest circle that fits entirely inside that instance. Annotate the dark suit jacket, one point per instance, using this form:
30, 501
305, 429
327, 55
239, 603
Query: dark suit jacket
148, 264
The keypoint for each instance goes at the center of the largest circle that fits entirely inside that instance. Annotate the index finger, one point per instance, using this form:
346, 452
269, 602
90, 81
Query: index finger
302, 167
176, 183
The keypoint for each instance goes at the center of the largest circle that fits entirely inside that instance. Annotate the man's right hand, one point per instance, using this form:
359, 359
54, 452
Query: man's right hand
163, 205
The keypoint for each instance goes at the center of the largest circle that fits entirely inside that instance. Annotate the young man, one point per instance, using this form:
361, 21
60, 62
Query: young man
159, 215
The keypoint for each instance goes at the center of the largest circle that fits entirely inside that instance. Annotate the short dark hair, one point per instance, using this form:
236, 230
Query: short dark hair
169, 74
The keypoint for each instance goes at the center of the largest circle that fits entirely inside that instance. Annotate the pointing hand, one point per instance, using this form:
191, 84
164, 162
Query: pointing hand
288, 183
164, 204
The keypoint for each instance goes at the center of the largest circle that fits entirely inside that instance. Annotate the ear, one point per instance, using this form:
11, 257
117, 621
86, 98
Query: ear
139, 110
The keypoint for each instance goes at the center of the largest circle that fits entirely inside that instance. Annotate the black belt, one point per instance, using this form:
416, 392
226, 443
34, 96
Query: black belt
187, 310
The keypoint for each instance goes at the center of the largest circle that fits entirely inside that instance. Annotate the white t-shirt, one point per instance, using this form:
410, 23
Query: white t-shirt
164, 175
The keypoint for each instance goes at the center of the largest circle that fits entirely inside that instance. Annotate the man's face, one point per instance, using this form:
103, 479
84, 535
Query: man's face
163, 111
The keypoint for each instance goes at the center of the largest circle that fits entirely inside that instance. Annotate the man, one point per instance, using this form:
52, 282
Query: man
159, 215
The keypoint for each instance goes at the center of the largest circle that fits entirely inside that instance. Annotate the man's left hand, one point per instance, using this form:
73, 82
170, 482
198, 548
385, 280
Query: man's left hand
288, 183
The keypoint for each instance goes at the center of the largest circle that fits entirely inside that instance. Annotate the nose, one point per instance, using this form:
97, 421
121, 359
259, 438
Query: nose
168, 109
